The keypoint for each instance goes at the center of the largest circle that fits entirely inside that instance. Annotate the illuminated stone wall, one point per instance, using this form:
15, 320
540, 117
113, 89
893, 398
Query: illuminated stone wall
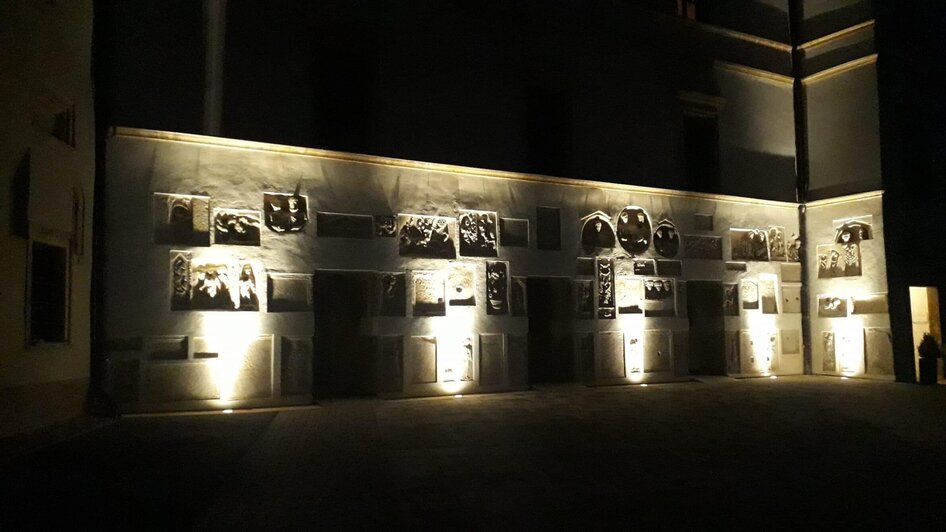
175, 342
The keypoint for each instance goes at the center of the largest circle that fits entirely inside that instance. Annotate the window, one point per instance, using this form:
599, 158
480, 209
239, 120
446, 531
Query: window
48, 293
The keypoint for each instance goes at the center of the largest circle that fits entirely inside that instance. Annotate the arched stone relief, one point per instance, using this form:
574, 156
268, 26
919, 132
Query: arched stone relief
596, 232
634, 230
666, 238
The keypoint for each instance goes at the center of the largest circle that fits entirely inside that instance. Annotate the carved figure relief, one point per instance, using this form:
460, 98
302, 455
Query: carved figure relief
285, 213
659, 298
776, 239
519, 301
634, 230
236, 227
477, 233
839, 260
828, 359
666, 239
832, 307
749, 244
385, 225
220, 286
461, 368
597, 233
497, 292
730, 299
793, 248
425, 236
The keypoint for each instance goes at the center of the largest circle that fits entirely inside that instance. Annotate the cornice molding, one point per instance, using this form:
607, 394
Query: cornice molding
837, 35
755, 72
844, 67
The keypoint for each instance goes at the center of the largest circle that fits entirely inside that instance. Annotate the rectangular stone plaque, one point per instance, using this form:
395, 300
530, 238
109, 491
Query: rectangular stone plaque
428, 294
669, 268
513, 232
390, 372
289, 292
167, 348
548, 228
791, 299
295, 371
184, 381
460, 286
586, 266
237, 227
828, 357
426, 236
497, 287
491, 359
702, 247
733, 364
611, 355
422, 356
585, 343
749, 291
583, 290
343, 225
644, 267
870, 304
791, 341
477, 233
749, 244
518, 297
703, 222
205, 347
657, 350
878, 348
392, 294
735, 266
630, 292
768, 295
791, 272
254, 380
730, 299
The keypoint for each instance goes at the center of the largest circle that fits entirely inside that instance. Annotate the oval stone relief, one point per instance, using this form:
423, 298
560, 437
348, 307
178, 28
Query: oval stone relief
666, 239
633, 230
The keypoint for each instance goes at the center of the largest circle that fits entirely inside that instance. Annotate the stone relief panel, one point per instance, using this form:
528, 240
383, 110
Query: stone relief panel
832, 306
497, 287
492, 364
236, 227
461, 289
225, 286
513, 232
749, 291
422, 356
630, 293
385, 225
791, 272
730, 299
791, 299
702, 247
611, 355
657, 350
180, 280
776, 241
519, 297
584, 298
791, 341
659, 298
425, 236
428, 294
391, 378
295, 371
181, 219
166, 348
703, 222
634, 230
285, 213
644, 267
344, 225
733, 363
605, 282
669, 268
870, 304
459, 367
392, 294
289, 292
585, 266
477, 233
768, 294
828, 356
548, 228
878, 349
853, 231
839, 260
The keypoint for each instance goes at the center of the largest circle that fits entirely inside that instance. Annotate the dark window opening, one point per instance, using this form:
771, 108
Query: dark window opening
48, 270
701, 152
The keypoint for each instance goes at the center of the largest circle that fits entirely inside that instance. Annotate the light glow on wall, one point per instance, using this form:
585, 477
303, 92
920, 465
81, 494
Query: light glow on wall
633, 328
229, 334
455, 335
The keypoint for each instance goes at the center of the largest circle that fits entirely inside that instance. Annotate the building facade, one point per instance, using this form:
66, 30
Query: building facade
47, 167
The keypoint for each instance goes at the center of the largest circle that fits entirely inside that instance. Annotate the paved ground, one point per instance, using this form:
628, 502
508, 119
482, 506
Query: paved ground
805, 452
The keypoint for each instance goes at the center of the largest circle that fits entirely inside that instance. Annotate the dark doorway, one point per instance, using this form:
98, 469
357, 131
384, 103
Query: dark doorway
551, 357
343, 358
707, 329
